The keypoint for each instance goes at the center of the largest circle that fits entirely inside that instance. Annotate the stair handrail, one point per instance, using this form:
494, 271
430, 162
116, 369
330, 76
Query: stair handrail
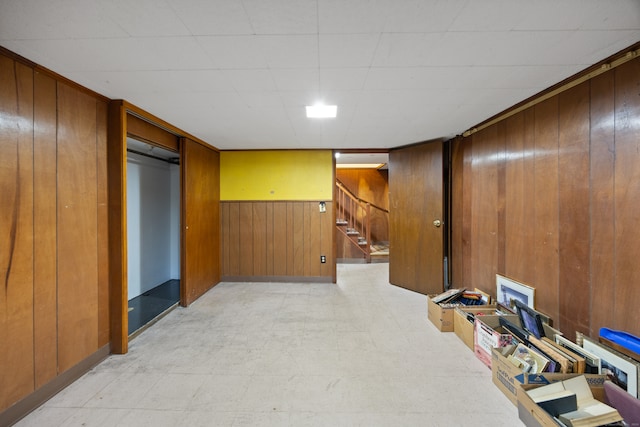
373, 205
347, 209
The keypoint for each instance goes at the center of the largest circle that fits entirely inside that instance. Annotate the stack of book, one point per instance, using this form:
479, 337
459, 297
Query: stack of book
571, 403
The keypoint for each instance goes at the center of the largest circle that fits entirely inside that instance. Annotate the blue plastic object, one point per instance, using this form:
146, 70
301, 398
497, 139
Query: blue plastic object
624, 339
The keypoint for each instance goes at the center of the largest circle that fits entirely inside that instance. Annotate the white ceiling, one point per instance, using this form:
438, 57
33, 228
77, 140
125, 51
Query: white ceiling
238, 73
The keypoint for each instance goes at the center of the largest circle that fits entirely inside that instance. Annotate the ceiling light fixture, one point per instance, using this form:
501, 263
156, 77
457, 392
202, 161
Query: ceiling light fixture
320, 111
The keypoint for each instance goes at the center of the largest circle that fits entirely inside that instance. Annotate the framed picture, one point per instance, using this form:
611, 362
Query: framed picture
508, 291
620, 369
592, 361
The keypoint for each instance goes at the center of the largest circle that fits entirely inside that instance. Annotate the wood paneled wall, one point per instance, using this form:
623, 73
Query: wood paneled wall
550, 197
53, 228
265, 240
416, 252
371, 185
200, 254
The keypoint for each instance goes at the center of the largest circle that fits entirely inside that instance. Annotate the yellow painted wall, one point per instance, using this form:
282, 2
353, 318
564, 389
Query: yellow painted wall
276, 175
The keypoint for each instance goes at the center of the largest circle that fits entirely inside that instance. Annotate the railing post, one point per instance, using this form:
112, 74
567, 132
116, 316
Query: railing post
367, 225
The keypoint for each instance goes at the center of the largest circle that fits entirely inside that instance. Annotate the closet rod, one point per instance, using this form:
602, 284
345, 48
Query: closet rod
171, 160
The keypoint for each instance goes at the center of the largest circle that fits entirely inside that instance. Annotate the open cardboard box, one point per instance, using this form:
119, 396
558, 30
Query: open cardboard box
508, 378
442, 317
489, 334
462, 327
532, 415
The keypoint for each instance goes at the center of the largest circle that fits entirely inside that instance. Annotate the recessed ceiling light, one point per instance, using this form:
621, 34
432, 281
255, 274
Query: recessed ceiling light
320, 111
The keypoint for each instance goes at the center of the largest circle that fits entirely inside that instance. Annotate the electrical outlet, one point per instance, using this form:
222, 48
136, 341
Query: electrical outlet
323, 259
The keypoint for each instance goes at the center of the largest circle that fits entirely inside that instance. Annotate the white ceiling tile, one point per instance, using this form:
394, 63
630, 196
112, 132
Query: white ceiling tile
547, 15
234, 52
407, 50
213, 17
291, 51
261, 99
250, 79
353, 16
419, 16
115, 84
282, 16
306, 79
334, 79
127, 54
143, 18
37, 19
238, 73
299, 99
347, 50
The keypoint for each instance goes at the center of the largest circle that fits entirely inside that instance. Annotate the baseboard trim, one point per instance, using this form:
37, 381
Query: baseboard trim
280, 279
23, 407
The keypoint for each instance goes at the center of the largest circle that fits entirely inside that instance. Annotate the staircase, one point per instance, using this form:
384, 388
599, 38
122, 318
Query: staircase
354, 219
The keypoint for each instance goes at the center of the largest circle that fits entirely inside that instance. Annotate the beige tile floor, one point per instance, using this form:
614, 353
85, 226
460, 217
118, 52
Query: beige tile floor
357, 353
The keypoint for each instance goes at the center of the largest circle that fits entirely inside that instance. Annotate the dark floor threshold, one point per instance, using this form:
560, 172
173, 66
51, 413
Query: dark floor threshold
149, 307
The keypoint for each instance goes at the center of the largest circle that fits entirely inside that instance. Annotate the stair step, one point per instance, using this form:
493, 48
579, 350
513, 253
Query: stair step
341, 222
362, 242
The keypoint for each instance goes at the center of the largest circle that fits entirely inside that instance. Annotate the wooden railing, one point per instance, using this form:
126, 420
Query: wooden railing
353, 219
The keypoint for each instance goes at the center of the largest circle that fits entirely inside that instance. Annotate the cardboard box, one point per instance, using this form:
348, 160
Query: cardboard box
489, 334
532, 415
508, 378
441, 317
461, 325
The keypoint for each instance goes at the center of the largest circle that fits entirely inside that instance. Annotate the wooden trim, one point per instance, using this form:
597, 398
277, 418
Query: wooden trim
334, 233
158, 122
148, 132
23, 407
117, 157
282, 279
602, 67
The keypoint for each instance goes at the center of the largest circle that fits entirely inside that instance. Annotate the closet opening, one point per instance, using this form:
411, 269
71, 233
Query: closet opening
153, 233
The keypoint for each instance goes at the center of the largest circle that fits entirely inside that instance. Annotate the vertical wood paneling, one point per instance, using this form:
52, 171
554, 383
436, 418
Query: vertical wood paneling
327, 233
280, 243
573, 215
77, 227
298, 239
516, 240
627, 196
545, 195
116, 170
501, 200
16, 228
200, 266
259, 239
269, 237
44, 223
103, 224
314, 238
415, 198
282, 239
602, 246
457, 209
224, 236
234, 239
246, 239
572, 187
484, 203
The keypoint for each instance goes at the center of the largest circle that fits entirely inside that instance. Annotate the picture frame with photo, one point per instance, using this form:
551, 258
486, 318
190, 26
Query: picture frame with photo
509, 290
593, 363
620, 369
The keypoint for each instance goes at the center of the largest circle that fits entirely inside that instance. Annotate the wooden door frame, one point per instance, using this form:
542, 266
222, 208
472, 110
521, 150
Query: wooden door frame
125, 120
